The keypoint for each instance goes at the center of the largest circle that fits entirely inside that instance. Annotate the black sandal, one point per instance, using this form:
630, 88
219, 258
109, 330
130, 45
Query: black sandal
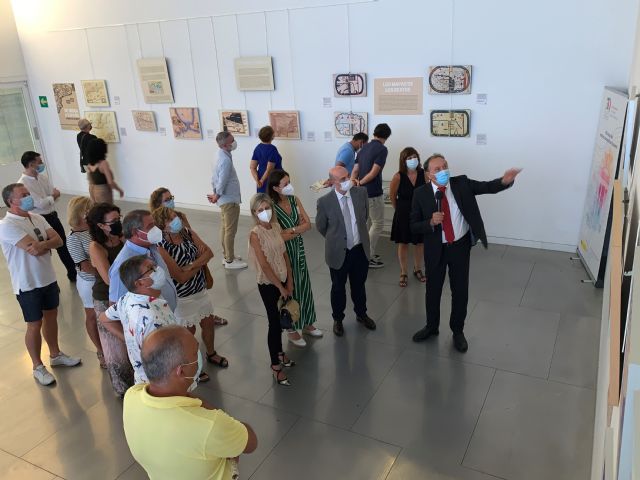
403, 280
419, 275
222, 363
278, 373
204, 377
285, 361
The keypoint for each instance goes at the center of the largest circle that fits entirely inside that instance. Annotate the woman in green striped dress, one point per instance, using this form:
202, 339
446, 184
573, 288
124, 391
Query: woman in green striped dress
294, 221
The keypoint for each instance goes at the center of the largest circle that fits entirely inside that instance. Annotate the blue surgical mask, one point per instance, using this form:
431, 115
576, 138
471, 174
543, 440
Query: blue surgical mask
196, 377
169, 204
412, 163
176, 225
40, 168
442, 177
26, 203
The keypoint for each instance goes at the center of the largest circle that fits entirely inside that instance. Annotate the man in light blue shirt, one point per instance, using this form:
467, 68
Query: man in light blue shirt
142, 237
226, 194
346, 155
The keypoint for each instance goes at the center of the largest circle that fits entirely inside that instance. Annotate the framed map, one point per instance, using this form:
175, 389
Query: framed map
350, 85
67, 105
144, 120
286, 124
95, 93
450, 79
186, 123
450, 123
104, 125
154, 80
347, 124
235, 122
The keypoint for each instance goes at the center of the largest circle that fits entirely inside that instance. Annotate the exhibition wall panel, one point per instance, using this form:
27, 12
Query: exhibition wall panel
542, 73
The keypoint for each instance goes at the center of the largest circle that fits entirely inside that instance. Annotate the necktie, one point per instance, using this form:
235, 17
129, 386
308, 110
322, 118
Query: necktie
346, 213
447, 225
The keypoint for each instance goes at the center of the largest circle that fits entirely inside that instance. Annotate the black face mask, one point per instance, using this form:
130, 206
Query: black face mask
116, 228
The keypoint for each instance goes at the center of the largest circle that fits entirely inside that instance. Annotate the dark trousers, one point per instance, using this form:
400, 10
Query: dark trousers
63, 253
356, 269
270, 295
455, 257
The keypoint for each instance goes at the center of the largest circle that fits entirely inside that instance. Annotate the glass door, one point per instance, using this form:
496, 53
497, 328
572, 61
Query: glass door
18, 132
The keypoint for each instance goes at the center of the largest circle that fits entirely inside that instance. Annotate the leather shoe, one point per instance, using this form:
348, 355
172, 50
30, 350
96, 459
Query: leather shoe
460, 342
338, 329
424, 333
367, 322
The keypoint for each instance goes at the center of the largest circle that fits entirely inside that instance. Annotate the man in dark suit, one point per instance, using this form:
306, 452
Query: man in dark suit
445, 211
342, 220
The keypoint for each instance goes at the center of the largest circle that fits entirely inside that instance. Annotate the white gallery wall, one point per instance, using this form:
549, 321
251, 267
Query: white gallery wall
542, 64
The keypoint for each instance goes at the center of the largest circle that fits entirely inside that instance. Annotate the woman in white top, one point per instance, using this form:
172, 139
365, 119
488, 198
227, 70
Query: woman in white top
78, 242
268, 256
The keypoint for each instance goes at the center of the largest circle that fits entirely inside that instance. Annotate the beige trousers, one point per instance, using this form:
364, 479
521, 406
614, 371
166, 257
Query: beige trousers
230, 213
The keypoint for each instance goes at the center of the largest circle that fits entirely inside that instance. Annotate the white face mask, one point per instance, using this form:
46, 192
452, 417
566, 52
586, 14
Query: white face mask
265, 215
158, 277
234, 145
287, 190
154, 236
346, 185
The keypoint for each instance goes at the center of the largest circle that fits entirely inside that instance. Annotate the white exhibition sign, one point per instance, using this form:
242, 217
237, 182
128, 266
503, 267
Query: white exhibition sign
600, 188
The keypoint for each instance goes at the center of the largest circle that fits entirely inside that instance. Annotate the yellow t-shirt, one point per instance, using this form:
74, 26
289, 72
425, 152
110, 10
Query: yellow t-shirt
175, 437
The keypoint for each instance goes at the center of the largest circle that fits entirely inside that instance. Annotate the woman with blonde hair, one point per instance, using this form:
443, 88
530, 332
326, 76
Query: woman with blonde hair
78, 242
268, 256
186, 256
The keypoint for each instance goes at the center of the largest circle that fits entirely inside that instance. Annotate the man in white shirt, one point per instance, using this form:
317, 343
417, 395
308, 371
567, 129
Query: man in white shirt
44, 197
27, 240
141, 310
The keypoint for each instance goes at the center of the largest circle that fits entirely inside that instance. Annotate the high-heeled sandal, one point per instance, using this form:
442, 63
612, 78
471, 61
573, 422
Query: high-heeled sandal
285, 361
278, 374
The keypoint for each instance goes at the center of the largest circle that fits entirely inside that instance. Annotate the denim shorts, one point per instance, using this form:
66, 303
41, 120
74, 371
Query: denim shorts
34, 302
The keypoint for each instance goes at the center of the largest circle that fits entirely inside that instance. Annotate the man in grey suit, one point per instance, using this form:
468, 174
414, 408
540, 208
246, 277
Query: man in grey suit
342, 220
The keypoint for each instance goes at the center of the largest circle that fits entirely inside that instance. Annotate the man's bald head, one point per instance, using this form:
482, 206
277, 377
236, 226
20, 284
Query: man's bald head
338, 173
165, 349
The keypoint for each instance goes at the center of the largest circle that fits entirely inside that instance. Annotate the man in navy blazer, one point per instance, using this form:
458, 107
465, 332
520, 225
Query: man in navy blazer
446, 212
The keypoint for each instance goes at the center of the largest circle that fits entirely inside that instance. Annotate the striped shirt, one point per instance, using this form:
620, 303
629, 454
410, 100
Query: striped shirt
78, 246
184, 254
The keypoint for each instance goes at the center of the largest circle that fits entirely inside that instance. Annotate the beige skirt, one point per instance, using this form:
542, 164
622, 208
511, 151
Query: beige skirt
101, 193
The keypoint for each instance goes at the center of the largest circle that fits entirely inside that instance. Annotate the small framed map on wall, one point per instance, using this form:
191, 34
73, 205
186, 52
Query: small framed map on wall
285, 124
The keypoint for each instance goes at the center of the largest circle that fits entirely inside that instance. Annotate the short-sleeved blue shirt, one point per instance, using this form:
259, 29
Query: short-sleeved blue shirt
263, 154
347, 156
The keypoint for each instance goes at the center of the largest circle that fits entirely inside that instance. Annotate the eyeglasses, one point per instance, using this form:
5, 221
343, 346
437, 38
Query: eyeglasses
170, 198
149, 270
114, 221
38, 233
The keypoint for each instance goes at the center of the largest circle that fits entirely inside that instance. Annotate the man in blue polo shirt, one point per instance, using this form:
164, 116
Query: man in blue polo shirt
142, 237
367, 172
346, 156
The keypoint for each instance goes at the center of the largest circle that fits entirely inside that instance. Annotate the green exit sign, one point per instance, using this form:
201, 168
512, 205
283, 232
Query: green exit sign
44, 103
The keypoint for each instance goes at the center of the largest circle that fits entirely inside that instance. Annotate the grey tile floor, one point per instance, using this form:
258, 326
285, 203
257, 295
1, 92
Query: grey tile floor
371, 405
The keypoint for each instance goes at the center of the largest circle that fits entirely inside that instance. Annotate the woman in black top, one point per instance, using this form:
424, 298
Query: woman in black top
410, 176
101, 181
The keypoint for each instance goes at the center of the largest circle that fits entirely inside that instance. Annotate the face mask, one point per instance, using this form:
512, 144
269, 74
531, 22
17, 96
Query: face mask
346, 186
234, 145
26, 203
116, 228
176, 225
265, 216
196, 377
442, 177
412, 163
287, 190
158, 277
154, 236
40, 168
169, 204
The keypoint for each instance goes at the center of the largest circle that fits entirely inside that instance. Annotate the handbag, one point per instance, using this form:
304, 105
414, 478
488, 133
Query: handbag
208, 278
289, 312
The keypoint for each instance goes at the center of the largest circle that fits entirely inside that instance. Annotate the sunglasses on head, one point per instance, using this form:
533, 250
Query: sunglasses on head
38, 234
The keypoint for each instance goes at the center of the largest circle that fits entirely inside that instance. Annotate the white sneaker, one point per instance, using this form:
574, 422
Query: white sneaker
42, 375
298, 342
235, 265
224, 261
63, 360
316, 332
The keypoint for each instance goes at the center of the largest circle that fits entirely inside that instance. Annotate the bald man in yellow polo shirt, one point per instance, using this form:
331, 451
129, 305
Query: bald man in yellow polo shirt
172, 434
